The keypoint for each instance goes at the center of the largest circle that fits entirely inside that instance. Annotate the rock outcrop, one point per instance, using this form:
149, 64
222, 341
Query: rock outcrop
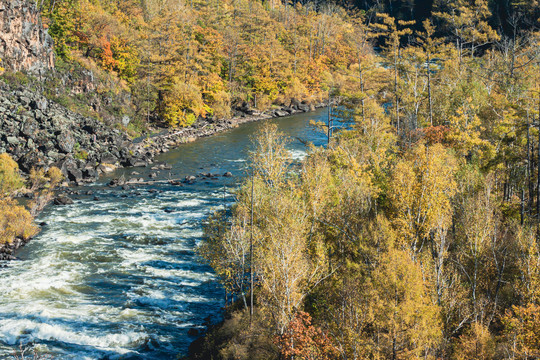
24, 43
37, 133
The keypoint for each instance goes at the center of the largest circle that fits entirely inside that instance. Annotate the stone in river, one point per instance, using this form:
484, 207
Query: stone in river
63, 200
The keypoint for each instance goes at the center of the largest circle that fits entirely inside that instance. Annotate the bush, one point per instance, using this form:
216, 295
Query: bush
10, 180
15, 222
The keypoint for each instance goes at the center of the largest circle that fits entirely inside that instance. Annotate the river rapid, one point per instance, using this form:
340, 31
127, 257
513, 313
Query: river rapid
116, 275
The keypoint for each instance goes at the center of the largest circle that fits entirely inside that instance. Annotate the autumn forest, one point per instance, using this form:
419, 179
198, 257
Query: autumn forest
415, 233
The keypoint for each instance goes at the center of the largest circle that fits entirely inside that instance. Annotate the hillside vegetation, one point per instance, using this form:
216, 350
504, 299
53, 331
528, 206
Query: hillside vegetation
184, 60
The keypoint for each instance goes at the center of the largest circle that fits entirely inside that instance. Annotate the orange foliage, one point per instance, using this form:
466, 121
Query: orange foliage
435, 134
302, 340
107, 59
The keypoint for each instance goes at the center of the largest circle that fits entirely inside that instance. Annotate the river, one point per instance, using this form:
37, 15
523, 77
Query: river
115, 275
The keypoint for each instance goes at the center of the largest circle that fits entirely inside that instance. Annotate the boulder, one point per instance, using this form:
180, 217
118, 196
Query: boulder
228, 174
70, 169
294, 103
117, 182
303, 107
165, 167
40, 104
66, 142
90, 173
74, 174
280, 113
30, 128
12, 140
288, 110
108, 158
89, 129
63, 200
30, 160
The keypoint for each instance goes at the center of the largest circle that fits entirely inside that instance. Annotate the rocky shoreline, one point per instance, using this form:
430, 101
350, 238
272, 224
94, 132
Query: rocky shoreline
152, 146
38, 133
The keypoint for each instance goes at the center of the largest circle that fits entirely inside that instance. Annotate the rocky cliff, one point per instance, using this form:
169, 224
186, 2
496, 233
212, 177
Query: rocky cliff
24, 44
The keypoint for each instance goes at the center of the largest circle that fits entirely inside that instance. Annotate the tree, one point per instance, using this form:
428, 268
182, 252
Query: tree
10, 179
469, 25
431, 48
304, 341
477, 343
422, 189
393, 30
406, 322
15, 220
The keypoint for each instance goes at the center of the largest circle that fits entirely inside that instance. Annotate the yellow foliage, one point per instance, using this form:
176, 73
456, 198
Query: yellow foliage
521, 325
407, 323
477, 344
182, 103
10, 180
42, 184
15, 222
423, 186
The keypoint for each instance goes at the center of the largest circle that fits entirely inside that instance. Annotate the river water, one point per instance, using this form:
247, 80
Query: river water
115, 275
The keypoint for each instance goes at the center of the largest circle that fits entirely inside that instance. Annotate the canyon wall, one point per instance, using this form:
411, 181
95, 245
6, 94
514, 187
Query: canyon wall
24, 43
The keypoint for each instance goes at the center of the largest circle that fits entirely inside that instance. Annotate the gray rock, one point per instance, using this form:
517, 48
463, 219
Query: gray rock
12, 140
63, 200
108, 158
303, 107
66, 142
40, 104
74, 174
280, 113
30, 160
91, 174
30, 128
24, 100
70, 169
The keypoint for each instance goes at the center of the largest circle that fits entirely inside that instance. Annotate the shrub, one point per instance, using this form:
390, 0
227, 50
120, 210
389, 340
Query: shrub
10, 180
15, 222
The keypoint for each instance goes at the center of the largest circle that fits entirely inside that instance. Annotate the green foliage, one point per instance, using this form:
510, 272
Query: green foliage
15, 79
63, 16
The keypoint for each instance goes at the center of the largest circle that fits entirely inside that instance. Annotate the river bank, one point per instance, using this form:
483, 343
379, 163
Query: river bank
163, 142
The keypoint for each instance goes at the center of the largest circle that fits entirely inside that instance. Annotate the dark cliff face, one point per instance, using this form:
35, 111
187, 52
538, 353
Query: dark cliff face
24, 43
